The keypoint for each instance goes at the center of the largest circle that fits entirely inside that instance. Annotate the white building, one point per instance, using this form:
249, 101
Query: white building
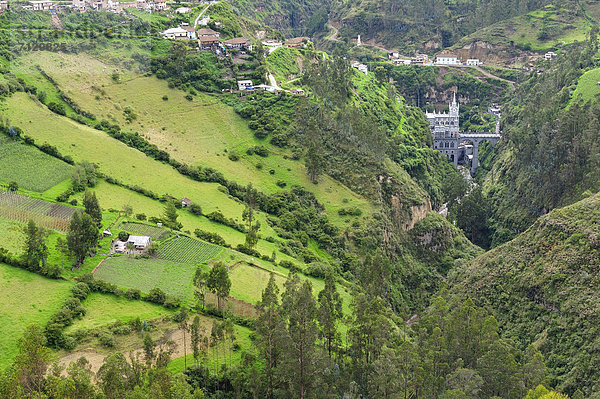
139, 242
175, 33
245, 85
42, 5
204, 21
447, 59
474, 62
183, 10
550, 55
361, 67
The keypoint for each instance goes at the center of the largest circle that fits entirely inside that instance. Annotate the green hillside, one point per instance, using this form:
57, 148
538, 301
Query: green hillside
542, 287
550, 27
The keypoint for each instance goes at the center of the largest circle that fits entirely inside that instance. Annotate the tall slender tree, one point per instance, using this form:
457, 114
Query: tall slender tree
299, 357
36, 250
249, 216
330, 312
269, 331
92, 208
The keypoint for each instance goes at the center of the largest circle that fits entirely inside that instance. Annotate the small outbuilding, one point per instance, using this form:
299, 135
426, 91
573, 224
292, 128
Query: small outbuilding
185, 201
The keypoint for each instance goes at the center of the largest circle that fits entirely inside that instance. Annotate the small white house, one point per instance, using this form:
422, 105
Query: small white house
266, 88
474, 62
245, 85
139, 242
550, 55
183, 10
175, 33
447, 59
361, 67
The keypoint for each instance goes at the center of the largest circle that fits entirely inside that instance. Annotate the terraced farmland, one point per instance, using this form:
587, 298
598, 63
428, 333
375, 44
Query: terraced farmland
29, 167
188, 250
175, 279
22, 208
144, 230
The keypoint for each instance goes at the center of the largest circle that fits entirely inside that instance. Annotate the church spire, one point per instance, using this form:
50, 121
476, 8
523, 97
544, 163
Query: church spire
454, 107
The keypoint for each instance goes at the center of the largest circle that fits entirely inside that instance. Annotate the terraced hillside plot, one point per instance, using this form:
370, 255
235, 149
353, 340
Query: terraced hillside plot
188, 250
102, 309
248, 282
29, 167
25, 298
23, 208
175, 279
144, 230
11, 235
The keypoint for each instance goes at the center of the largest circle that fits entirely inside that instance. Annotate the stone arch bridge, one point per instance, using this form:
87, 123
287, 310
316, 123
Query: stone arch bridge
456, 146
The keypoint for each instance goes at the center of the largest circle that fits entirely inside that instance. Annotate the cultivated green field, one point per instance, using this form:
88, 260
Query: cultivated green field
11, 235
248, 282
188, 250
175, 279
104, 309
25, 298
30, 168
587, 87
144, 230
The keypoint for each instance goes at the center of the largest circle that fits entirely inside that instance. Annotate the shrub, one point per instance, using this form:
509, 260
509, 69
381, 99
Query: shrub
57, 108
317, 269
107, 340
281, 183
195, 209
140, 216
133, 293
80, 291
208, 236
233, 156
287, 264
123, 235
189, 97
258, 150
156, 295
165, 97
73, 202
171, 303
74, 306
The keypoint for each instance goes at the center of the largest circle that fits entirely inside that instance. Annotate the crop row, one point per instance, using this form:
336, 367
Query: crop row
144, 230
35, 206
24, 216
188, 250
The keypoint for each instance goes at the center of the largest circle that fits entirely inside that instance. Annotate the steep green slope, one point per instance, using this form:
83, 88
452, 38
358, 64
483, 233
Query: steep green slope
549, 155
543, 288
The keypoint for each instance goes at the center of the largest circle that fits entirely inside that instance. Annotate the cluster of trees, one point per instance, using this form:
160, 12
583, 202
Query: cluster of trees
305, 347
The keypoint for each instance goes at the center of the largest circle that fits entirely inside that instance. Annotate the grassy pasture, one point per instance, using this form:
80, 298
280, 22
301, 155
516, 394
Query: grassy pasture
30, 168
199, 132
25, 298
102, 309
175, 279
188, 250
